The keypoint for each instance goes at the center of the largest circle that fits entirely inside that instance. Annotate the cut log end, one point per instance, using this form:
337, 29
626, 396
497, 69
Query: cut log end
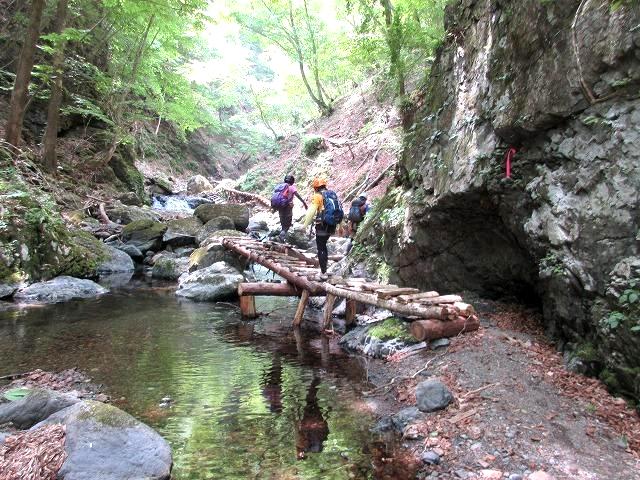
433, 329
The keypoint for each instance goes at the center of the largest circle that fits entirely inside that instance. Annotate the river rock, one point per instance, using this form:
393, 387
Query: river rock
432, 395
195, 202
361, 340
182, 232
404, 417
257, 225
104, 443
298, 237
34, 407
131, 250
198, 184
8, 289
60, 289
130, 198
116, 261
144, 234
217, 282
214, 225
125, 214
238, 213
170, 268
159, 184
214, 252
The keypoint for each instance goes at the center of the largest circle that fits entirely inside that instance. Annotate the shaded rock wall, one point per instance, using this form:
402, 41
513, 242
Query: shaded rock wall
561, 86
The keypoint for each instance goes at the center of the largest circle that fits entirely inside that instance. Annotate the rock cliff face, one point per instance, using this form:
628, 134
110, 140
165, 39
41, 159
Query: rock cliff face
559, 82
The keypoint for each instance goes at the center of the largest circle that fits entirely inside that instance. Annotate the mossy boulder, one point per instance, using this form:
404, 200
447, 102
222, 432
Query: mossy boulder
144, 234
198, 184
238, 213
104, 442
214, 252
35, 243
125, 214
182, 232
125, 171
170, 268
214, 225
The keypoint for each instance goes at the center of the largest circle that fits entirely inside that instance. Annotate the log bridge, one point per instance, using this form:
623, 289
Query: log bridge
432, 315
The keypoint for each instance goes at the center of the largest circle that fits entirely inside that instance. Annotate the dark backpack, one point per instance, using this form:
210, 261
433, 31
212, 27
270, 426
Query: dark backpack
332, 214
356, 213
280, 197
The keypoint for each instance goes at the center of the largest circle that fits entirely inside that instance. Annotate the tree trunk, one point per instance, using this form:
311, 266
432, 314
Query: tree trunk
53, 115
434, 329
23, 76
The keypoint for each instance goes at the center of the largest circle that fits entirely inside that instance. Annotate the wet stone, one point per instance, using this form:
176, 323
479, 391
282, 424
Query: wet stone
430, 458
515, 476
404, 417
432, 395
439, 343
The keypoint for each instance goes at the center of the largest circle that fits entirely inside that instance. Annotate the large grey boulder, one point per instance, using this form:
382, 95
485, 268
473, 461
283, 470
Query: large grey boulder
131, 250
432, 395
60, 289
104, 443
116, 261
217, 282
182, 232
198, 184
8, 289
35, 407
144, 234
125, 214
170, 268
214, 225
214, 252
238, 213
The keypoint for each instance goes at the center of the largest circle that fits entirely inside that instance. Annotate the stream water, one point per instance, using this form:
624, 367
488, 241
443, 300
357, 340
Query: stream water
249, 399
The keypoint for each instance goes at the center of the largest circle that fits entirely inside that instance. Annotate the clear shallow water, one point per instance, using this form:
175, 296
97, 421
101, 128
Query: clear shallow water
250, 399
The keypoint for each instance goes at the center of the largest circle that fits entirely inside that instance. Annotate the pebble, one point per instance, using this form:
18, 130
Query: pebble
491, 474
540, 475
430, 458
515, 476
439, 343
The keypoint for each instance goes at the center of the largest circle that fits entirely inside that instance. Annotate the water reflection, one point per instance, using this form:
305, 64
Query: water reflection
249, 399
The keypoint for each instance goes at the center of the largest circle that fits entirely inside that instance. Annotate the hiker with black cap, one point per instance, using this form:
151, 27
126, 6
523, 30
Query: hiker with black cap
282, 201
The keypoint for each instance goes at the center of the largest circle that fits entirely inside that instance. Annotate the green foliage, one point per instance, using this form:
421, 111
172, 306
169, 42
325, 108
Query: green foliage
552, 264
628, 309
392, 328
311, 144
399, 35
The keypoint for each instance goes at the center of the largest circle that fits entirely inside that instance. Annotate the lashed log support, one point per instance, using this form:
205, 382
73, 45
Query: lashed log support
248, 306
301, 306
328, 311
411, 310
433, 329
269, 289
298, 281
350, 312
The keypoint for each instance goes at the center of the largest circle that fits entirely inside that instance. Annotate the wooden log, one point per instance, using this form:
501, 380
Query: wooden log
350, 312
433, 329
328, 311
248, 306
292, 252
411, 309
441, 299
268, 289
297, 280
394, 292
418, 296
465, 309
301, 306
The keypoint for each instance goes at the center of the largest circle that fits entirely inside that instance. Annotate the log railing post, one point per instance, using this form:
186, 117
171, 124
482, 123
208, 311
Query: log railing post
301, 306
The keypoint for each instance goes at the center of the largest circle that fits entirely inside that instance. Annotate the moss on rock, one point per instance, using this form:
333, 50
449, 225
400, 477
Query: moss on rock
392, 328
35, 243
125, 171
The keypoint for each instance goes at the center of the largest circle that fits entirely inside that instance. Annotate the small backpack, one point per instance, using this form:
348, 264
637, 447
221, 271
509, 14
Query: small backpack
355, 212
332, 214
280, 197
